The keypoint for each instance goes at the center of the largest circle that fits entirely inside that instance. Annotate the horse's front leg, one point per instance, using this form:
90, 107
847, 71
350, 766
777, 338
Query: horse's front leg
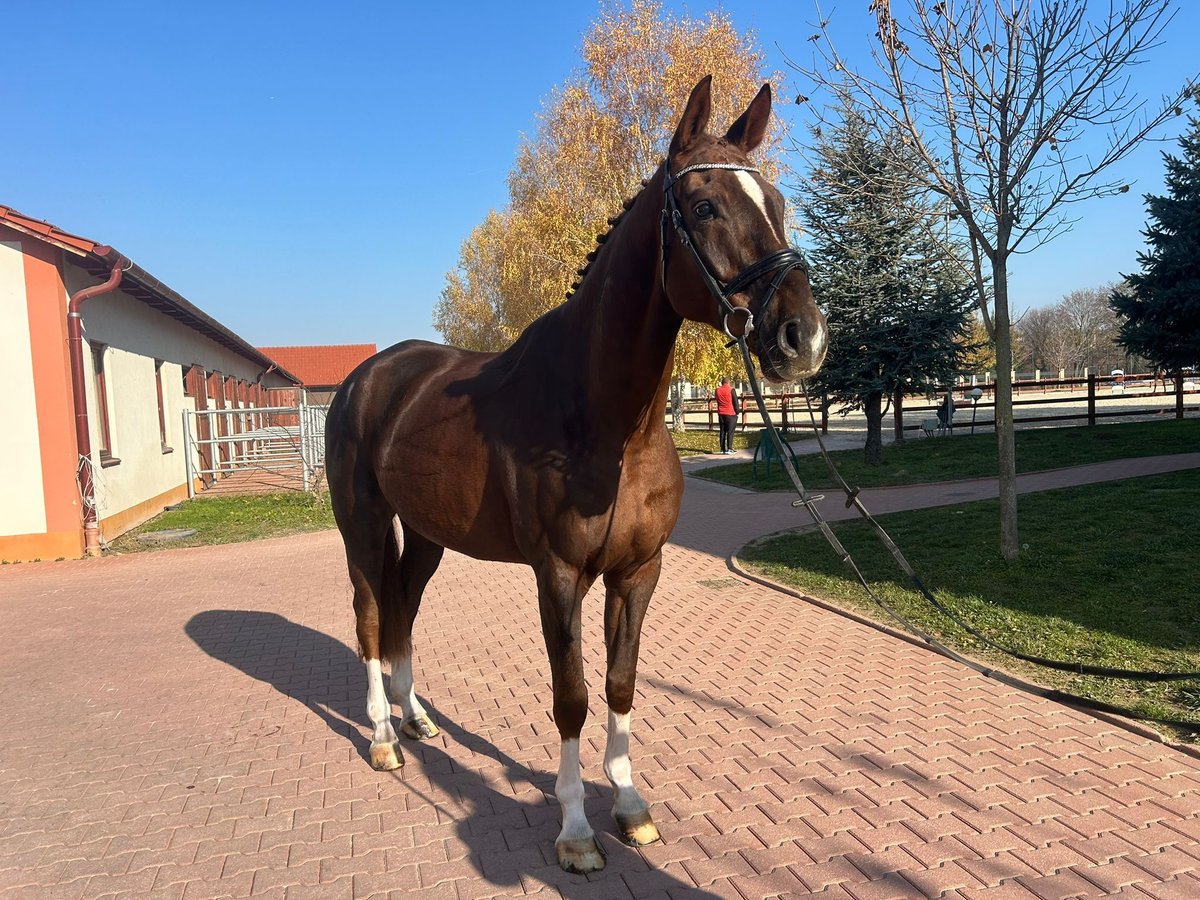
560, 599
626, 599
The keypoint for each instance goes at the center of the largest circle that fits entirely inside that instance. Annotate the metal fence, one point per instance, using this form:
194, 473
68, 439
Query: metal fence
255, 448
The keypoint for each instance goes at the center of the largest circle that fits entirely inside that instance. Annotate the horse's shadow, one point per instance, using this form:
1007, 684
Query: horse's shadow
328, 678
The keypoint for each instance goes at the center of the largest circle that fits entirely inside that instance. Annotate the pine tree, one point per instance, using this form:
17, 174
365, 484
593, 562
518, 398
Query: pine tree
897, 299
1160, 306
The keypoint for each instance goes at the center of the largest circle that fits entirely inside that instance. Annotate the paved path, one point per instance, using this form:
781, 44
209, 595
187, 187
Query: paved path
190, 723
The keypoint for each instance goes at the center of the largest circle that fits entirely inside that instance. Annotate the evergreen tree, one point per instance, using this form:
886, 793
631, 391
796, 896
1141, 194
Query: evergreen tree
1160, 306
897, 299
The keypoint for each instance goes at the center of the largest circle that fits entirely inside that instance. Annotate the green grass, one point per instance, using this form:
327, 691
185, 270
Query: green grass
1107, 575
924, 460
690, 443
227, 520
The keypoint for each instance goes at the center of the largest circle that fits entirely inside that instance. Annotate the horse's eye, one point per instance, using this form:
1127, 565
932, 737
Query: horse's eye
704, 210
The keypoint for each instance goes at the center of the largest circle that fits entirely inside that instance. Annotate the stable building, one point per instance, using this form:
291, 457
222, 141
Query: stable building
98, 361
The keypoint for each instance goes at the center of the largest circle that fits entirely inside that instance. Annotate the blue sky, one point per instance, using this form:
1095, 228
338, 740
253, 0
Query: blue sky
307, 172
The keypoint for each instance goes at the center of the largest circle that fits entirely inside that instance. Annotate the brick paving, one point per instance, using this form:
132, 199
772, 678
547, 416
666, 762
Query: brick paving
190, 723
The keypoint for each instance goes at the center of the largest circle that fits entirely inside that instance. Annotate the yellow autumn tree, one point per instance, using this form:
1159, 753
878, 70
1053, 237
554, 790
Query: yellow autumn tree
981, 357
598, 136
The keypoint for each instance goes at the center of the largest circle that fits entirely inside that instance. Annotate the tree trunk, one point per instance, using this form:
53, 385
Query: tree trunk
1006, 451
898, 413
874, 448
677, 423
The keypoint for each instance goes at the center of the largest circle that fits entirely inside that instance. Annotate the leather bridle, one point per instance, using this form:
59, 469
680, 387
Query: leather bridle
781, 262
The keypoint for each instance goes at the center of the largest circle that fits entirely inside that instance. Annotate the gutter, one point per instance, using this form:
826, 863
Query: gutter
83, 435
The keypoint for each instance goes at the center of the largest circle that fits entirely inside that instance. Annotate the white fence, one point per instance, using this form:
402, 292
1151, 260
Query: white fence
276, 447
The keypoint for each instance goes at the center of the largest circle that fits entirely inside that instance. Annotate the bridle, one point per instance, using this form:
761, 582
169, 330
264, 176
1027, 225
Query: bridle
781, 261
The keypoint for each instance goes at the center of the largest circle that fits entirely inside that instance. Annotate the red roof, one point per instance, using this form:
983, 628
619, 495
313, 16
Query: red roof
98, 260
320, 365
48, 232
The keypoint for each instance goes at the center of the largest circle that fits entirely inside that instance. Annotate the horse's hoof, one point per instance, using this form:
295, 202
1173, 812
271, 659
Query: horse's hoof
580, 857
385, 757
637, 829
420, 728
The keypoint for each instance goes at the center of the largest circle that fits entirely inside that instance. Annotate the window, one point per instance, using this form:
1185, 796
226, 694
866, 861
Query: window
162, 409
103, 426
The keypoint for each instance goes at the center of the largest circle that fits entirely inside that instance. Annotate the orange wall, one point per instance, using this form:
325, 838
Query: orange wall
29, 547
47, 301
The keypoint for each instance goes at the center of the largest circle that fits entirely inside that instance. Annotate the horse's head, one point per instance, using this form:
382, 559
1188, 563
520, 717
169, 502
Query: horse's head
726, 242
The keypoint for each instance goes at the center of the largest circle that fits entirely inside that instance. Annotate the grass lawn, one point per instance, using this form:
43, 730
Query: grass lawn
227, 520
922, 460
1107, 575
690, 443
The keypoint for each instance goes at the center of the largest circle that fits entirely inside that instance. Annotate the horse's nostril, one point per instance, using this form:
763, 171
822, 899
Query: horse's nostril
801, 343
789, 337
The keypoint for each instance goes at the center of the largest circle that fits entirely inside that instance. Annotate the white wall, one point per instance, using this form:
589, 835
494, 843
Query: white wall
22, 500
145, 470
121, 321
135, 336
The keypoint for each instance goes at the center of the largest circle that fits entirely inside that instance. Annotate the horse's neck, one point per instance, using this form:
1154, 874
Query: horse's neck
622, 326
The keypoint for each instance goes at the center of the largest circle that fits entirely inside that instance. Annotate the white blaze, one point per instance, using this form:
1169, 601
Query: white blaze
755, 192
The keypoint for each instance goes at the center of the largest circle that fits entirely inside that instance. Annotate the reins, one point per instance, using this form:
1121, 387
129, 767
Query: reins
809, 502
782, 262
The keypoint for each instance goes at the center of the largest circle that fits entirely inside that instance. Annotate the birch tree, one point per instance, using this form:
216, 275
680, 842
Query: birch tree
599, 135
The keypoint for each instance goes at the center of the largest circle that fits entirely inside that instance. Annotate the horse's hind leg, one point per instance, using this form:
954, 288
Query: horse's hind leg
404, 583
366, 526
626, 599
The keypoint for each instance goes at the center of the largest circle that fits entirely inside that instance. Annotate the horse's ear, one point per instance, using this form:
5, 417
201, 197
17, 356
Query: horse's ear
695, 116
748, 131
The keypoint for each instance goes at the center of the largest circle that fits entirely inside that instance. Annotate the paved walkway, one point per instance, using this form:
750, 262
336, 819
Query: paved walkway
190, 723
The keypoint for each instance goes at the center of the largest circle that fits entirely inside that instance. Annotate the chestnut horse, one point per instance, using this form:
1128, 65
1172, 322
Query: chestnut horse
555, 452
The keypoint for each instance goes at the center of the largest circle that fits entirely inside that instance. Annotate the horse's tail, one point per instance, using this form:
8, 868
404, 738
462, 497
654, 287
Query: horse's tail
395, 633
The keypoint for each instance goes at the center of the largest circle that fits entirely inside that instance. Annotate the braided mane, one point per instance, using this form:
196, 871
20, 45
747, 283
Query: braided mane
603, 236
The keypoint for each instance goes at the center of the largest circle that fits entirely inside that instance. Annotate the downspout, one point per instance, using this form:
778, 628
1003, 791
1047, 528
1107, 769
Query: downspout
83, 435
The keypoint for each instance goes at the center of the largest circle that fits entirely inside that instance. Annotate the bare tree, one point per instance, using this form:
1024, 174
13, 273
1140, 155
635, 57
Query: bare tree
1092, 327
994, 96
1077, 332
1042, 332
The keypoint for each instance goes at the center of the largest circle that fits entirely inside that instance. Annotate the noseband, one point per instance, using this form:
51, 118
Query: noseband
782, 261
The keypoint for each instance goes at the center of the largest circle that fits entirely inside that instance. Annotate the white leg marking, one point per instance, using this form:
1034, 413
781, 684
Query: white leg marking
379, 709
569, 790
402, 688
618, 768
754, 190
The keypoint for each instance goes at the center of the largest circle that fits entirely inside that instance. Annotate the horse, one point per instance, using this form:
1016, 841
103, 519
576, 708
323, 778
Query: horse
555, 452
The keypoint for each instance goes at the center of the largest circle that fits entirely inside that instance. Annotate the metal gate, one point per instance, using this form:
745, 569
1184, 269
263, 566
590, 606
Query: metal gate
255, 449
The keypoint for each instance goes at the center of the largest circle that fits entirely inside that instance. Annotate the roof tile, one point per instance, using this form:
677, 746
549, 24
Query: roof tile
320, 365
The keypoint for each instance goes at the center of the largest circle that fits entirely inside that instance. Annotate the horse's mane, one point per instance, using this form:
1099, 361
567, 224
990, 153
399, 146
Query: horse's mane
603, 236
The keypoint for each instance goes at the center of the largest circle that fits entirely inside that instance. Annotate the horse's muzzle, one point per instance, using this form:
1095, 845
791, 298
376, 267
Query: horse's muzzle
797, 348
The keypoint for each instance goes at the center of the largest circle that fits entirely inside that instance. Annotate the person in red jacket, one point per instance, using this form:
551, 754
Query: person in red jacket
728, 407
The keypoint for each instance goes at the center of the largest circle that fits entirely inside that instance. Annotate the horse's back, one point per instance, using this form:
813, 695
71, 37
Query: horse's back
383, 381
401, 428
